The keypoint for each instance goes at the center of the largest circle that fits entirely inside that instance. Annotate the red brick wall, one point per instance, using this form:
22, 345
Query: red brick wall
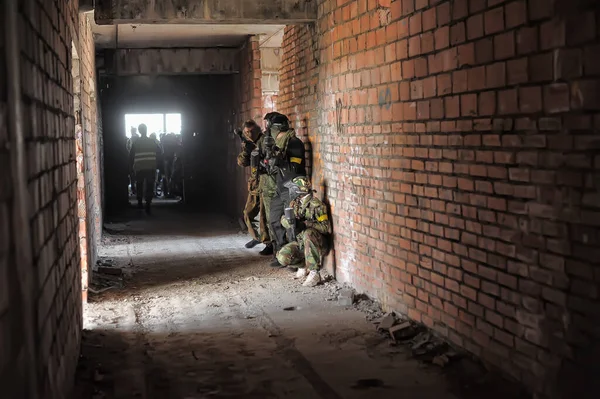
248, 94
45, 32
250, 84
91, 142
457, 142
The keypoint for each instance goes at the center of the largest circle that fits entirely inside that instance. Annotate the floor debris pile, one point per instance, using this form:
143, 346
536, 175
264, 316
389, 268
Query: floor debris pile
366, 305
106, 276
423, 344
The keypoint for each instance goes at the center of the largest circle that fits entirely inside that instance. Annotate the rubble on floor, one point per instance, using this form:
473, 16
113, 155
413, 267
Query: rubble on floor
105, 276
346, 297
402, 331
366, 305
424, 345
115, 228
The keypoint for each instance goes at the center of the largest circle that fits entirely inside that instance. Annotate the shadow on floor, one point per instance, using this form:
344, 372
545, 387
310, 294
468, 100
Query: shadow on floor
202, 317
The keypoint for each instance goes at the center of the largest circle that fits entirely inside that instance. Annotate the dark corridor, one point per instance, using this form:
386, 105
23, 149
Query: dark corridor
206, 105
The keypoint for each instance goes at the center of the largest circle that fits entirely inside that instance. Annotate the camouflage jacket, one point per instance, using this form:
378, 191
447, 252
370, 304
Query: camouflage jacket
311, 212
268, 183
243, 160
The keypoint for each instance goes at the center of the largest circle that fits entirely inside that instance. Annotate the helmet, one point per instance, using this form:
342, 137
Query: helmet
270, 115
299, 186
280, 122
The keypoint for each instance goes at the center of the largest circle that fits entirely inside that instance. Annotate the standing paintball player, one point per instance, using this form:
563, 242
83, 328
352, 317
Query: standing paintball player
267, 183
288, 162
250, 136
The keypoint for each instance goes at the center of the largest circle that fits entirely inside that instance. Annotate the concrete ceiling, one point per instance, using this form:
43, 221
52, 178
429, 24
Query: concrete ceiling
184, 35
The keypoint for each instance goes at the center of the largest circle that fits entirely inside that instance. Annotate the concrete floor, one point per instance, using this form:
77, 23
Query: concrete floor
203, 317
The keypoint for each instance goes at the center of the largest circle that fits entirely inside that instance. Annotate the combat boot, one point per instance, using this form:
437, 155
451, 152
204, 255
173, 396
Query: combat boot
267, 250
251, 244
313, 279
275, 263
301, 273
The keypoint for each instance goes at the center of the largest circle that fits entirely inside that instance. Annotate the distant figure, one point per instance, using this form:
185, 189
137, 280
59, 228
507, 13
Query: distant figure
169, 143
155, 138
134, 136
144, 158
176, 183
130, 141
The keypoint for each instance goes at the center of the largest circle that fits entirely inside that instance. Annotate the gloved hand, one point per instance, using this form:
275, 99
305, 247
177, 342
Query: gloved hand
285, 223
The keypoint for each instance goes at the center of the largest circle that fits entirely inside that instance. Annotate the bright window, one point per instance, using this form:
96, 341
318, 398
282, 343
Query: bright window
173, 123
156, 123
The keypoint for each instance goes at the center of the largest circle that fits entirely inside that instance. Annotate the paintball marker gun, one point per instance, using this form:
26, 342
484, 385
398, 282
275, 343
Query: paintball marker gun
271, 153
291, 218
255, 159
244, 139
269, 142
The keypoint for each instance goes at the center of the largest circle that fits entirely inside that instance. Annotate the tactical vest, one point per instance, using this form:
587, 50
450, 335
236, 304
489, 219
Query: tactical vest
293, 163
145, 154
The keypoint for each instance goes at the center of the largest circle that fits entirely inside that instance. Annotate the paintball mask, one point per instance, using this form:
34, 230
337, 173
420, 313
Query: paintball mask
275, 119
298, 186
280, 123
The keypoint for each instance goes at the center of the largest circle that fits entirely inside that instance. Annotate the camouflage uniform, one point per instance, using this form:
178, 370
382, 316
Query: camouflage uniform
268, 182
254, 205
311, 243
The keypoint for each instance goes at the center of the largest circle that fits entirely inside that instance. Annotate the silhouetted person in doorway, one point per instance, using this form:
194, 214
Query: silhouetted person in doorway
130, 141
144, 157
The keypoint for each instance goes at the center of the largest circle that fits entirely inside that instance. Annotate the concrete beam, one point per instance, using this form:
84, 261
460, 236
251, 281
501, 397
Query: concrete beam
110, 12
126, 62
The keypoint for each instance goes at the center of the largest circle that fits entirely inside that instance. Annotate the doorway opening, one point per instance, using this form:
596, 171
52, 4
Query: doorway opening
165, 128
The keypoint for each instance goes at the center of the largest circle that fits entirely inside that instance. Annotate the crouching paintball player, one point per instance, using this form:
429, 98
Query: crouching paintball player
308, 227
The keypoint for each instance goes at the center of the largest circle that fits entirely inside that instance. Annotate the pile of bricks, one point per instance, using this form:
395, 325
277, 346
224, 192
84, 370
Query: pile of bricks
456, 141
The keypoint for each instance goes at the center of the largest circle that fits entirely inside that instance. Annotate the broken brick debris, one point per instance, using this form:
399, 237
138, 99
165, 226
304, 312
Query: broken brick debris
402, 331
115, 271
387, 322
346, 297
441, 360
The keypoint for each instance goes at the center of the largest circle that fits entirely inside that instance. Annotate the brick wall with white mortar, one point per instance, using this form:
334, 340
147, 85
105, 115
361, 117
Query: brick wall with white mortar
45, 32
457, 142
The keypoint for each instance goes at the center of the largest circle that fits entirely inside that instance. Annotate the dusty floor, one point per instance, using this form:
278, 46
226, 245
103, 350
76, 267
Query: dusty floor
202, 317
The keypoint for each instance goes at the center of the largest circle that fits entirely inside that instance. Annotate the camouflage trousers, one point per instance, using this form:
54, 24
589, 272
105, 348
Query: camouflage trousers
255, 207
309, 247
265, 204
